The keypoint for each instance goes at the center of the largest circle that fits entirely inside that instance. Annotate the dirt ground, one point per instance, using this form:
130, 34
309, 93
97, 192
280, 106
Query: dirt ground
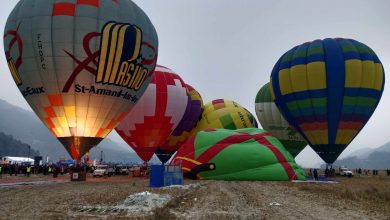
354, 198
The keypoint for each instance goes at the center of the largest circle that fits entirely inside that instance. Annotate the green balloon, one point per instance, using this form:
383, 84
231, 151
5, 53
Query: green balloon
272, 121
243, 154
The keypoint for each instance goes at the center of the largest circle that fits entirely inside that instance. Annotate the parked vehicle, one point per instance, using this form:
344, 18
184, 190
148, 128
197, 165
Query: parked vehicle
103, 170
346, 172
122, 170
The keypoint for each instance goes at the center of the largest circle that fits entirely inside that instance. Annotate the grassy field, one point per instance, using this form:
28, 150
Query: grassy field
372, 193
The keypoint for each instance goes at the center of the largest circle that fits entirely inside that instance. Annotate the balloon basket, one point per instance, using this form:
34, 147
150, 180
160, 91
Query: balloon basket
78, 175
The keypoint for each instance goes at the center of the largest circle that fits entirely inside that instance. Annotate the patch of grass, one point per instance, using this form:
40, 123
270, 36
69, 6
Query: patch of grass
373, 193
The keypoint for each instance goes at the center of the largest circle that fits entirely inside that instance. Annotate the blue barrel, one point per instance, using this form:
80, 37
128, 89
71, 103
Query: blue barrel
157, 176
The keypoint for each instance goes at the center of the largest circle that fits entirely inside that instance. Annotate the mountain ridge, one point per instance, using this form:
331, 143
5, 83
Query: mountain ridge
25, 126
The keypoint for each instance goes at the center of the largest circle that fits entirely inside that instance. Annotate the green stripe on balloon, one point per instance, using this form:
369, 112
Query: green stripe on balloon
307, 103
227, 122
359, 100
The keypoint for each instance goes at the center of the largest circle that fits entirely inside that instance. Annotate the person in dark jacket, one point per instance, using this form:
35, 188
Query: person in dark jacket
315, 174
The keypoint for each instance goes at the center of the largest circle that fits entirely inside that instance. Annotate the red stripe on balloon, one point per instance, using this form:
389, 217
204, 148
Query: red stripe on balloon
64, 8
282, 160
161, 94
212, 151
217, 101
314, 126
186, 150
50, 112
94, 3
350, 125
73, 151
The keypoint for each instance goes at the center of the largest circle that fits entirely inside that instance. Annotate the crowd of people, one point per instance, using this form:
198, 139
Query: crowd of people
330, 172
366, 172
26, 169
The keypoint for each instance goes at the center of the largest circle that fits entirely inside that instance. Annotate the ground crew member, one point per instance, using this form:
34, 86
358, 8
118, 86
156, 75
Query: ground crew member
28, 171
1, 171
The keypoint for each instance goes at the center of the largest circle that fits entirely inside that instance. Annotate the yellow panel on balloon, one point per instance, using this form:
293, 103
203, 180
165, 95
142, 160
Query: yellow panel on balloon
353, 73
316, 75
378, 76
271, 88
309, 135
298, 78
285, 82
368, 74
63, 122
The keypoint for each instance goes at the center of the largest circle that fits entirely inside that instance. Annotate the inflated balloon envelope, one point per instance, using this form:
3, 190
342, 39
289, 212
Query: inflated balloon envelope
156, 115
183, 130
243, 154
272, 121
81, 65
224, 113
327, 90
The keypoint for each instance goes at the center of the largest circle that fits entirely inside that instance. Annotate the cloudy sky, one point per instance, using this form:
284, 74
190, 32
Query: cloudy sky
227, 49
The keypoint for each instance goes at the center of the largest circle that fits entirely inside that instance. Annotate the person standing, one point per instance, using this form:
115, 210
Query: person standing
28, 170
16, 169
315, 173
1, 171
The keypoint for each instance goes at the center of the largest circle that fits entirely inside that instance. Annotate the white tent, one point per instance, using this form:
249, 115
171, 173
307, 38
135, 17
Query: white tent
8, 159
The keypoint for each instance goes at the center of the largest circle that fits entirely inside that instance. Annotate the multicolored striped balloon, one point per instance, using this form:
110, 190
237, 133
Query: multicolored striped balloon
327, 90
243, 154
272, 121
183, 130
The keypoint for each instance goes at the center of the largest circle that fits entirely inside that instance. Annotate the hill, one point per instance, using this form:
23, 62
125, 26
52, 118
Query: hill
12, 147
384, 148
377, 158
26, 126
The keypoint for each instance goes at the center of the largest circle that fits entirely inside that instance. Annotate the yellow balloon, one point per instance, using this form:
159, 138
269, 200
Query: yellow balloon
227, 114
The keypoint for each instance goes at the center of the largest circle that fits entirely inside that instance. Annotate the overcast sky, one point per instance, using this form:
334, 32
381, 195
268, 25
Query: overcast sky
227, 49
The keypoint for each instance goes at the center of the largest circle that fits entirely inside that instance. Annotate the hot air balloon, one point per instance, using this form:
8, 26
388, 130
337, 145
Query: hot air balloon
81, 65
186, 125
327, 90
223, 113
157, 113
272, 121
243, 154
